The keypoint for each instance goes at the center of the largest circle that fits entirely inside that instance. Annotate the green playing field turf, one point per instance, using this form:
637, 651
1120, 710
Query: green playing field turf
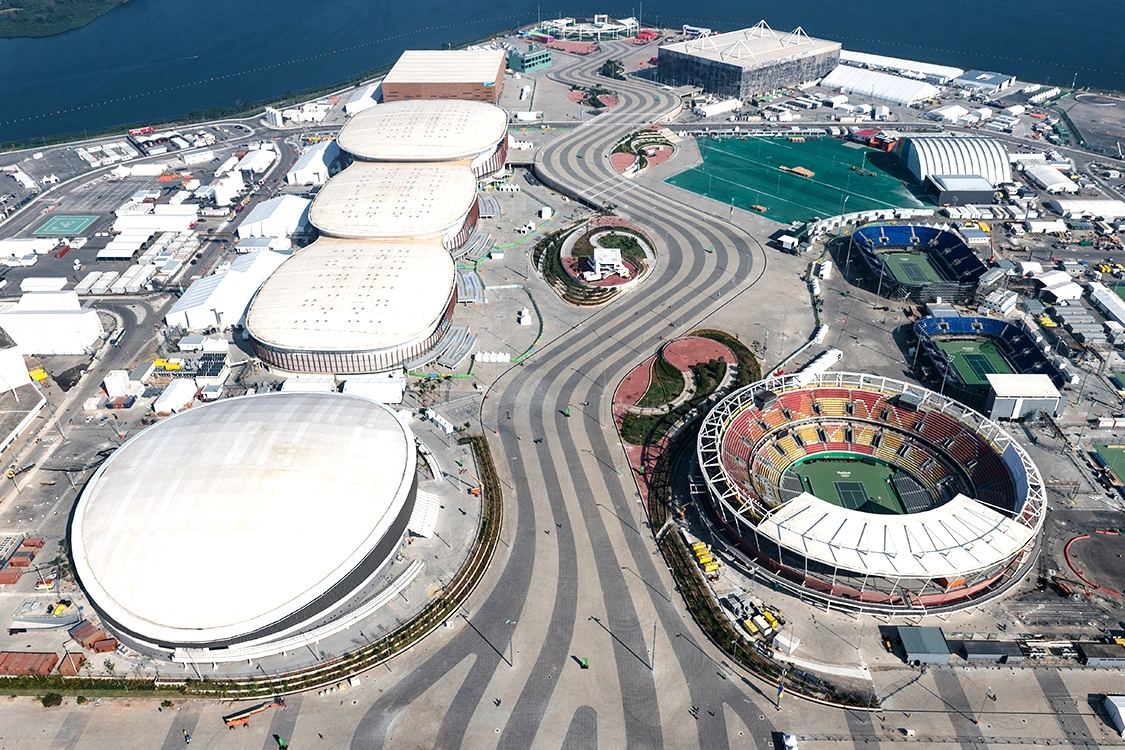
746, 172
911, 268
975, 359
850, 483
65, 225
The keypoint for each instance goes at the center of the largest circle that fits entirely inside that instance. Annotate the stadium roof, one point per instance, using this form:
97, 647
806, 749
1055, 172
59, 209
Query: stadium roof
940, 73
930, 155
424, 130
878, 86
1022, 386
394, 201
188, 533
341, 295
949, 541
447, 66
754, 46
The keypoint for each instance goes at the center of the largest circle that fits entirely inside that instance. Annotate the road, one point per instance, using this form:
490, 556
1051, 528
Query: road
580, 575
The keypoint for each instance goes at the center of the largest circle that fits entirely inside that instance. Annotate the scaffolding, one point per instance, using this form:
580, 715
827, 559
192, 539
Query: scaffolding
602, 28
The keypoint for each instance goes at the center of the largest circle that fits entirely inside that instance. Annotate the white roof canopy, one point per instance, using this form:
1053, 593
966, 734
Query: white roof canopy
424, 131
949, 541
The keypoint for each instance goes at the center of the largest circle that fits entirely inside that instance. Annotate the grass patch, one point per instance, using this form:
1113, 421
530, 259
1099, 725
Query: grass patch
749, 370
34, 18
666, 385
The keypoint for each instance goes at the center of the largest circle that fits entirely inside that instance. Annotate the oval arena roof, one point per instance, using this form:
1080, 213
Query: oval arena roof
226, 518
341, 295
394, 201
424, 131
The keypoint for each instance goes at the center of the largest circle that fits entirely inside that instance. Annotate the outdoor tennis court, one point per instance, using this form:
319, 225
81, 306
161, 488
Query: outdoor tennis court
746, 172
857, 484
912, 268
975, 359
66, 225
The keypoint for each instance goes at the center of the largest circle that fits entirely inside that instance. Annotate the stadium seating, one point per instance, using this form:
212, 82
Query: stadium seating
1012, 340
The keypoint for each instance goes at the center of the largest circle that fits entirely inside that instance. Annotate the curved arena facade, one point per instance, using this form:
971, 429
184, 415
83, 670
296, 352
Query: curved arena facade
377, 291
185, 539
865, 493
927, 156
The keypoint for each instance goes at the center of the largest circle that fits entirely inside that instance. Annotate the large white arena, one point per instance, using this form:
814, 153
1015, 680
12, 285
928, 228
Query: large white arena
373, 308
865, 493
429, 131
246, 527
378, 289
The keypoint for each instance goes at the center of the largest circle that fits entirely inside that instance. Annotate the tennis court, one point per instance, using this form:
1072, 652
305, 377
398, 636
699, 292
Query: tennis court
65, 225
912, 268
975, 359
744, 173
862, 484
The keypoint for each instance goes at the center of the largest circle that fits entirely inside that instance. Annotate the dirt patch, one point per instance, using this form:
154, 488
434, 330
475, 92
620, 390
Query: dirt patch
574, 48
608, 100
633, 386
660, 154
621, 161
685, 353
576, 96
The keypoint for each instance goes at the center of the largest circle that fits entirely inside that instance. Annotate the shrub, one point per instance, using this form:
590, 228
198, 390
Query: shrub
50, 700
80, 700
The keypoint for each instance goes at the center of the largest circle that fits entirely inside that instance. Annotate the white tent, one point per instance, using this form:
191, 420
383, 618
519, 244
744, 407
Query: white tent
277, 217
51, 323
221, 300
880, 87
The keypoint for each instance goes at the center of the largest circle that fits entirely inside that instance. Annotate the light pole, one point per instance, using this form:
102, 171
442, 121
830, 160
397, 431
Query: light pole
988, 695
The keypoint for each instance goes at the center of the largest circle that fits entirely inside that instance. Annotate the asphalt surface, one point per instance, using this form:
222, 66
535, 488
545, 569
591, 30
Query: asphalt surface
581, 577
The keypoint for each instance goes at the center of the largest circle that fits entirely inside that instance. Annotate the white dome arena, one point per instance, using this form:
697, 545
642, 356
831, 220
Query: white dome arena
245, 520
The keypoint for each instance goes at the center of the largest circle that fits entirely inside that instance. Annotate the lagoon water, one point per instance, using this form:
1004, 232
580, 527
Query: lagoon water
154, 60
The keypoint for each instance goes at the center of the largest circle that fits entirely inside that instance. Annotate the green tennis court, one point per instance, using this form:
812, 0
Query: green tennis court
912, 268
66, 225
854, 483
1114, 457
746, 173
975, 359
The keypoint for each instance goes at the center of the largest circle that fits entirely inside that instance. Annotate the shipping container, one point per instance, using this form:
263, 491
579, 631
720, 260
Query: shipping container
710, 567
104, 646
34, 541
10, 575
20, 561
71, 664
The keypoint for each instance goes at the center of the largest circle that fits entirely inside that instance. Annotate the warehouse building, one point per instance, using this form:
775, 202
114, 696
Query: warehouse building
221, 300
985, 81
374, 306
1015, 396
938, 74
746, 63
1086, 208
959, 189
880, 87
169, 525
926, 156
1101, 654
283, 216
20, 399
48, 323
475, 75
1049, 179
924, 645
996, 652
316, 165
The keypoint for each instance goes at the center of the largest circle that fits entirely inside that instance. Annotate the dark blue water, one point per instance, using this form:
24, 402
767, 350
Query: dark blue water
158, 59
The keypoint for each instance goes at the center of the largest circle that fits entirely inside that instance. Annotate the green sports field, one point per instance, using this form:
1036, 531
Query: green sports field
975, 359
912, 268
858, 484
1114, 457
65, 225
743, 173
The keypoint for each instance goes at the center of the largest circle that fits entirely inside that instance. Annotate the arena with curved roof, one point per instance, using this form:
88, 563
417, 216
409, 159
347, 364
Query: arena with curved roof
865, 493
398, 201
927, 156
184, 539
430, 131
374, 306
